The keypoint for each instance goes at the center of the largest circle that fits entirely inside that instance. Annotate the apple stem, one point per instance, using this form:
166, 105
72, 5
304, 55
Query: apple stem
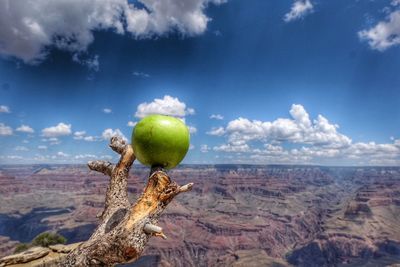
156, 168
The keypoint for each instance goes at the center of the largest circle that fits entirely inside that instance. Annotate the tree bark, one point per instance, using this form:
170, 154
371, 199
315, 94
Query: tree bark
125, 229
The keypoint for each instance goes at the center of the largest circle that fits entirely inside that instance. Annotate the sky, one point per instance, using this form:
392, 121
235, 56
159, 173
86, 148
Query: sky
257, 82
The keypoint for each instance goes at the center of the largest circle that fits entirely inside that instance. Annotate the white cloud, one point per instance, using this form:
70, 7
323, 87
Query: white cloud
359, 153
232, 148
62, 154
385, 34
217, 131
300, 8
21, 148
14, 157
131, 123
90, 138
141, 74
52, 140
107, 110
168, 105
108, 133
5, 130
355, 154
192, 129
216, 117
298, 129
373, 149
42, 147
299, 139
25, 129
81, 135
60, 129
92, 63
4, 109
204, 148
29, 28
84, 156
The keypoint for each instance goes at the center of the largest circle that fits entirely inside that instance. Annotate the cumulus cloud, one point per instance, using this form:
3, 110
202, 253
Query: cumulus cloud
60, 129
28, 28
107, 110
298, 129
52, 140
81, 135
192, 129
373, 149
62, 154
131, 123
5, 130
42, 147
204, 148
108, 133
90, 138
232, 148
219, 131
299, 139
300, 8
4, 109
397, 142
356, 154
25, 129
168, 105
216, 117
384, 34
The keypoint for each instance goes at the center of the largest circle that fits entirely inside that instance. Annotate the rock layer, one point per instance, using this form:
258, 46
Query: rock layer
270, 214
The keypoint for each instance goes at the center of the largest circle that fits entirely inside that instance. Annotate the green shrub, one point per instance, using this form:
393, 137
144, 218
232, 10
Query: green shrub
46, 239
21, 247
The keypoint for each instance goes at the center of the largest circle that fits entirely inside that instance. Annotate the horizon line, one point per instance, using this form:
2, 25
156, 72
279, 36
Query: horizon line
218, 164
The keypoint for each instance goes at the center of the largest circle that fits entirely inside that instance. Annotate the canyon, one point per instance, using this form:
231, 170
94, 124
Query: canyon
236, 215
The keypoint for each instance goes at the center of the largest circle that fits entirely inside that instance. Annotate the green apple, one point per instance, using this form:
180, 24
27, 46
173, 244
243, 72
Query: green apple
160, 140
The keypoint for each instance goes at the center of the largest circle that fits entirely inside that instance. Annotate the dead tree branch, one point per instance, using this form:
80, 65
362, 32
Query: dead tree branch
102, 166
125, 229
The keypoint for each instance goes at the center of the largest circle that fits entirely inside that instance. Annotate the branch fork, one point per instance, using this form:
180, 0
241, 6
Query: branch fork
125, 229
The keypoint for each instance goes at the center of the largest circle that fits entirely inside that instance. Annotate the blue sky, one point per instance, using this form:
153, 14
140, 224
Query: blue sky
292, 82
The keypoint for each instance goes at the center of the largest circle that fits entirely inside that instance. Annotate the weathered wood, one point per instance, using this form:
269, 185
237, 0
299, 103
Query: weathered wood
124, 230
102, 166
155, 230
